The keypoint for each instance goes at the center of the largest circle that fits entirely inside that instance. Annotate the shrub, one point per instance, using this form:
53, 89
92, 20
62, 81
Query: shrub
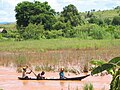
97, 32
0, 36
116, 20
53, 34
33, 31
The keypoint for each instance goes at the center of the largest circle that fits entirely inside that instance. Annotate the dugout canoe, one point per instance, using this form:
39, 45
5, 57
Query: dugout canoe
73, 78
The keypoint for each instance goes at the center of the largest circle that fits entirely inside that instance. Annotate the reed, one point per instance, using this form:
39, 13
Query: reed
88, 86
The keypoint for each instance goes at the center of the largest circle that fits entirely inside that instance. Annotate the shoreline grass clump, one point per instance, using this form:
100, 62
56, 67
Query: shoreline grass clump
88, 86
20, 60
45, 67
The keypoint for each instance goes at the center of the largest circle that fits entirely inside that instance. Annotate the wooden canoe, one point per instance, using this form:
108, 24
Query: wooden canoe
73, 78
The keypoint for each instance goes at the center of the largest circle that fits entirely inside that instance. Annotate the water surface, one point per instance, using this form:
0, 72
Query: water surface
9, 81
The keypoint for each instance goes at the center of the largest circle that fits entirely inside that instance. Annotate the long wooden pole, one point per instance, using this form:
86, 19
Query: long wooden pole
33, 72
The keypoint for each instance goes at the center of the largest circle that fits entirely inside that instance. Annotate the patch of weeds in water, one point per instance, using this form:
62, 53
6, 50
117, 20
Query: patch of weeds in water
19, 70
88, 86
85, 69
21, 60
73, 71
48, 68
44, 67
38, 68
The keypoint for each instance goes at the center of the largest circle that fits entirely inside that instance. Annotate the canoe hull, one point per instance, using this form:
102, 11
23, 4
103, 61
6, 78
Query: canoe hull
73, 78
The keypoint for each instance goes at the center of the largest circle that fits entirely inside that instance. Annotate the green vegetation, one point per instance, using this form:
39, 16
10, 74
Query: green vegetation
44, 68
56, 44
112, 67
88, 86
20, 60
36, 20
39, 28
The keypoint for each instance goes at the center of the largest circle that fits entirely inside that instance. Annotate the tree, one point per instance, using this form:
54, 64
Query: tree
59, 25
95, 20
89, 14
113, 67
118, 7
23, 12
107, 21
68, 32
36, 13
44, 19
116, 20
70, 13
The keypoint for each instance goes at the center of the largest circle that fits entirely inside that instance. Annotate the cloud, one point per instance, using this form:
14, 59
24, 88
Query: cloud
7, 13
7, 6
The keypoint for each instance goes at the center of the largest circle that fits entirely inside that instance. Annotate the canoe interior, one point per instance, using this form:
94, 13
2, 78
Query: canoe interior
73, 78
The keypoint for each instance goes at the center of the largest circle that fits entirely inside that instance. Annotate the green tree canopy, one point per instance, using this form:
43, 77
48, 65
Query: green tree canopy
116, 20
23, 12
36, 13
70, 13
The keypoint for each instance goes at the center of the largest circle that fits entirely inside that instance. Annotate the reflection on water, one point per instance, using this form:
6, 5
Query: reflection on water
9, 81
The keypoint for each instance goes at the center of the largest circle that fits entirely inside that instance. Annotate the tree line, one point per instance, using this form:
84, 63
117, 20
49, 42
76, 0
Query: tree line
36, 20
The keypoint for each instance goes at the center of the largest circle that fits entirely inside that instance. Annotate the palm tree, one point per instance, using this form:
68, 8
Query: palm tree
112, 67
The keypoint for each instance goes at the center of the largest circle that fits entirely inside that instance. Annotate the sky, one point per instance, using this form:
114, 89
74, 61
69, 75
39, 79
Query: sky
7, 13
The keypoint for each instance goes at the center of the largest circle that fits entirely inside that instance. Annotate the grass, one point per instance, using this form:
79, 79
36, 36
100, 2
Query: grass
56, 44
88, 86
107, 14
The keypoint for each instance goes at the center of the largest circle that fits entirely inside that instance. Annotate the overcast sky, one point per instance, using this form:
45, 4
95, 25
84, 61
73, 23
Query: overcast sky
7, 7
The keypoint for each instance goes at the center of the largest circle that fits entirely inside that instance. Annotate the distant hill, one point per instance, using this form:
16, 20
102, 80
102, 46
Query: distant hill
8, 25
6, 22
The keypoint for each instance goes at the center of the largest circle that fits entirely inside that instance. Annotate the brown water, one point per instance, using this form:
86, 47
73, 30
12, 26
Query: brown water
9, 81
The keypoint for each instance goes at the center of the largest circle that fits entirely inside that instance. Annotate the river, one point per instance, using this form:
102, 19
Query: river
9, 81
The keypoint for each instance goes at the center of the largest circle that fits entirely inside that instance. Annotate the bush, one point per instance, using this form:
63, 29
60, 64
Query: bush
83, 31
116, 20
0, 36
53, 34
107, 21
33, 31
59, 25
95, 20
98, 32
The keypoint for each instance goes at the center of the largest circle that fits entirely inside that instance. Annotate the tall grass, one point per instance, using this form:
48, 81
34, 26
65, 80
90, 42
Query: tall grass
88, 86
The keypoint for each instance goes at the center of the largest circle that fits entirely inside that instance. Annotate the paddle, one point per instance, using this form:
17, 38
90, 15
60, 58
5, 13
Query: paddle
33, 72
